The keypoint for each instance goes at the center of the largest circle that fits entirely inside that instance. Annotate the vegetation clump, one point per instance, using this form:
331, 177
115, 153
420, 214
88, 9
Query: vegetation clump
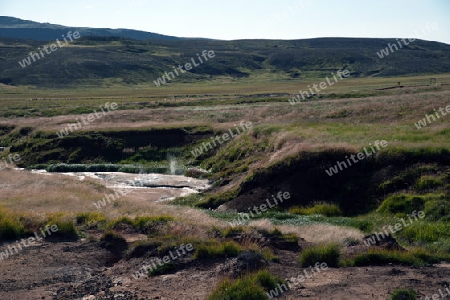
328, 210
329, 254
214, 249
248, 287
404, 294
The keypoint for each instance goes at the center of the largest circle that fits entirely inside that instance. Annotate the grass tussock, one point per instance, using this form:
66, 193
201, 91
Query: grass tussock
90, 219
404, 294
161, 270
140, 248
215, 249
16, 225
66, 226
113, 242
143, 224
66, 230
11, 224
287, 237
269, 255
249, 287
434, 236
328, 210
329, 254
402, 203
428, 182
381, 257
231, 231
214, 201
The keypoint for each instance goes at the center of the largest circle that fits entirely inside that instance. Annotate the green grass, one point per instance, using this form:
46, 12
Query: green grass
191, 200
360, 223
121, 220
423, 232
202, 248
437, 209
380, 257
428, 182
328, 210
148, 224
140, 248
402, 203
161, 270
248, 287
231, 231
11, 225
144, 224
66, 230
404, 294
91, 219
288, 237
329, 254
269, 255
215, 249
16, 225
215, 200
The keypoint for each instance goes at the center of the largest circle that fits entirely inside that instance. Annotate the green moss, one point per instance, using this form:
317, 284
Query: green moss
428, 183
438, 209
214, 201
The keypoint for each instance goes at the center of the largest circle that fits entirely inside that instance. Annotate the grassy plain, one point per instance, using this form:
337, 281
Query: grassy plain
284, 139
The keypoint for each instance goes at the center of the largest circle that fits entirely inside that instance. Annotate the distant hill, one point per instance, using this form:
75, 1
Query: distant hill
94, 60
22, 29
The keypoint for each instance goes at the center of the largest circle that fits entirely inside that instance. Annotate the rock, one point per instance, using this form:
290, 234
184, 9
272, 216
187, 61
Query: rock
388, 242
396, 272
248, 261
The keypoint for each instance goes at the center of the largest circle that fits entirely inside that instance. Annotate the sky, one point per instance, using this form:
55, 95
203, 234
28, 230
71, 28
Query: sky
248, 19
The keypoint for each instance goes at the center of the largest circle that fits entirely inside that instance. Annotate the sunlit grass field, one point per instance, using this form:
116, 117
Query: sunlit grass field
29, 101
348, 115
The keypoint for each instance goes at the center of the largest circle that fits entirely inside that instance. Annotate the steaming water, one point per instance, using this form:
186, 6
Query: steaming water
173, 166
154, 187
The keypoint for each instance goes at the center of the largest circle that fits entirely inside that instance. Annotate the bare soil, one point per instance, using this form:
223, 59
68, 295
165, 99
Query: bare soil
83, 270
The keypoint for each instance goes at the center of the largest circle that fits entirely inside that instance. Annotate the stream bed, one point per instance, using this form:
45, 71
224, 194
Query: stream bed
153, 187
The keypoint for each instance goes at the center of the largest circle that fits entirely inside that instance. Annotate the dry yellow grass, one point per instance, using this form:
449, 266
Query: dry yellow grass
26, 192
317, 233
23, 191
323, 233
307, 124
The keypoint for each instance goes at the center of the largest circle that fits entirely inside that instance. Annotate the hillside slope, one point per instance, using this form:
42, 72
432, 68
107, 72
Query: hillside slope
107, 59
11, 27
